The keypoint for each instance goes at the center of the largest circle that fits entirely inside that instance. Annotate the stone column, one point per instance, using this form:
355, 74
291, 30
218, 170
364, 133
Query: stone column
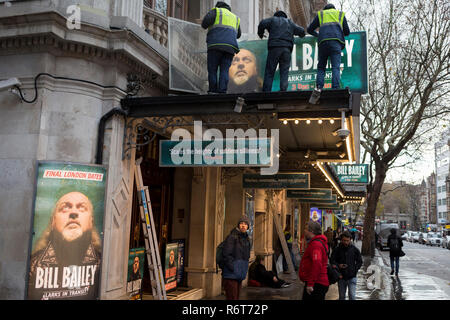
205, 230
263, 233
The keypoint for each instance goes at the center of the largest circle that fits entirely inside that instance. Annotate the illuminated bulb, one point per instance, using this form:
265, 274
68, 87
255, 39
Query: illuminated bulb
278, 155
320, 121
296, 121
331, 121
308, 121
285, 121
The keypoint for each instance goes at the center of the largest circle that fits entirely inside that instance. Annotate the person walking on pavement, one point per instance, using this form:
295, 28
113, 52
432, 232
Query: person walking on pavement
329, 235
333, 28
280, 45
395, 245
236, 253
223, 31
348, 259
313, 266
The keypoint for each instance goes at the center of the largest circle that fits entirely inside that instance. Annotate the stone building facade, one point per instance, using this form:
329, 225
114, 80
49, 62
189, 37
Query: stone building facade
72, 78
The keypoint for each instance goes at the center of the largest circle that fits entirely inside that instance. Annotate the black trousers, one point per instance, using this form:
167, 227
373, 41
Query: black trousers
275, 56
317, 295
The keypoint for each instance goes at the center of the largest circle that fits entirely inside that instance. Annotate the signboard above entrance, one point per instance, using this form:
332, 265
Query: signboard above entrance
188, 57
219, 153
352, 173
311, 194
303, 70
278, 181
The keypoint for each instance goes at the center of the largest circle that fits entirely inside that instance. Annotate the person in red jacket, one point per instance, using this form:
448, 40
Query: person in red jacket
313, 265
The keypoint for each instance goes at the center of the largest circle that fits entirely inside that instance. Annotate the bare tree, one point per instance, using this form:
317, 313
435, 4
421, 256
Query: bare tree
409, 79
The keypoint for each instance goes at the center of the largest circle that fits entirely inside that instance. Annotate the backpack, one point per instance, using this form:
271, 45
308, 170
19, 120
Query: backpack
394, 244
219, 255
332, 272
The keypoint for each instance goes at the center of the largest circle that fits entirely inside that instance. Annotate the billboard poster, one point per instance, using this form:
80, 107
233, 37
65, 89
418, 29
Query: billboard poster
66, 246
247, 70
180, 270
315, 215
136, 260
171, 261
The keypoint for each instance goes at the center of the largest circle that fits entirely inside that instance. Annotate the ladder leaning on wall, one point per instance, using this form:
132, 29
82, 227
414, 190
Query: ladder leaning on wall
151, 242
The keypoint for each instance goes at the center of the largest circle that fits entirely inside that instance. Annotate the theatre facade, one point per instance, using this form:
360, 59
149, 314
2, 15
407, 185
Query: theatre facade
99, 100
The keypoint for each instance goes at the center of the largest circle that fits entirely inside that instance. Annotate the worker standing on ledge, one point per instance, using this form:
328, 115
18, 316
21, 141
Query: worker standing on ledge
333, 28
223, 31
280, 44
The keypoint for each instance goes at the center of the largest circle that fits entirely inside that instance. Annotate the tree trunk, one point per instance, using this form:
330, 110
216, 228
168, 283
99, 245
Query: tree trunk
368, 245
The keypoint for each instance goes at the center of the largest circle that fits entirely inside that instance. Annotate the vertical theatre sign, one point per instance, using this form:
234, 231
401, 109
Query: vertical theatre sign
66, 246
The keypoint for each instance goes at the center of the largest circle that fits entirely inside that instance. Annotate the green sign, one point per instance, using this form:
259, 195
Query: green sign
328, 206
333, 200
277, 181
303, 70
311, 194
352, 173
255, 152
67, 217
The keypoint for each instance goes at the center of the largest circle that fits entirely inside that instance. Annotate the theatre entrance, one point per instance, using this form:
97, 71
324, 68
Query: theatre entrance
160, 185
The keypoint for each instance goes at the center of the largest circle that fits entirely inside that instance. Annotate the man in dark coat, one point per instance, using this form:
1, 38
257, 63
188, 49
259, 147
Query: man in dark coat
348, 259
333, 28
223, 31
395, 245
280, 44
236, 253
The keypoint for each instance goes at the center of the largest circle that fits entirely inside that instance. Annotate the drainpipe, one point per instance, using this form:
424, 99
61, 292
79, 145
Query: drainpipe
101, 131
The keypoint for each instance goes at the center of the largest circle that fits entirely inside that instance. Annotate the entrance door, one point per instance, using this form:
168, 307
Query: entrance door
160, 185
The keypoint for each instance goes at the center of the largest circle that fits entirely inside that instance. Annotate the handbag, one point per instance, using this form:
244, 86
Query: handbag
332, 271
401, 254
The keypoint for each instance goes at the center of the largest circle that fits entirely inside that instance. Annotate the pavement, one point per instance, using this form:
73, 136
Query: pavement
379, 288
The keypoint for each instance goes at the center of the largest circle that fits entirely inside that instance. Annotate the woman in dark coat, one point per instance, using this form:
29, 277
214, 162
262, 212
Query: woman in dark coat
395, 245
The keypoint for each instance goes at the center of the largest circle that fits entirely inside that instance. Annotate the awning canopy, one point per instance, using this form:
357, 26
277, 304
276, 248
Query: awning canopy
307, 132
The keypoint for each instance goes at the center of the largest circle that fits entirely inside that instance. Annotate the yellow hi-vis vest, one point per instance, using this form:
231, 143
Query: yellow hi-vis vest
224, 30
331, 24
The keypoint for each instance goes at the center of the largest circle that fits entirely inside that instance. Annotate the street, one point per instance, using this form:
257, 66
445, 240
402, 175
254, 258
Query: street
424, 273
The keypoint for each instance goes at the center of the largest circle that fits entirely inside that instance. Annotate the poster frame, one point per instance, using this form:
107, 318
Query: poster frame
32, 217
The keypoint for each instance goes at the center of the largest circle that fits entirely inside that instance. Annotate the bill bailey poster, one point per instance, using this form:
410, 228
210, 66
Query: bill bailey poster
66, 243
170, 274
136, 260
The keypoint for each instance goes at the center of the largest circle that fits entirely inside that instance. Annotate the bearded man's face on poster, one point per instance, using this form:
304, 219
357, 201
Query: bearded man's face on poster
73, 216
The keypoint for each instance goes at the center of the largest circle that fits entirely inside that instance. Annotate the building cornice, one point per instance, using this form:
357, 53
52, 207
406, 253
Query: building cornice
47, 32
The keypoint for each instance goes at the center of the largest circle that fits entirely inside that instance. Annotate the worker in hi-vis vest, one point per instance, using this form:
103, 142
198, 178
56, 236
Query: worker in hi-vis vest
333, 28
223, 31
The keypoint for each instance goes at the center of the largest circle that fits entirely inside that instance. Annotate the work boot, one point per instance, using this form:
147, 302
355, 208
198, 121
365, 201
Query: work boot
315, 96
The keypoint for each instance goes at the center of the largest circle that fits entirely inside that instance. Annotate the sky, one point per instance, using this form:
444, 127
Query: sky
418, 170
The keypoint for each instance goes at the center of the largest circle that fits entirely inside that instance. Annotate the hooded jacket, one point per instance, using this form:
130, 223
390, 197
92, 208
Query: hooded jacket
329, 32
236, 253
313, 265
281, 30
222, 39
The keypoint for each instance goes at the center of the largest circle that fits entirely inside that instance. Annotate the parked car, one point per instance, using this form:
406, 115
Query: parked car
409, 235
405, 236
445, 243
423, 238
415, 237
434, 239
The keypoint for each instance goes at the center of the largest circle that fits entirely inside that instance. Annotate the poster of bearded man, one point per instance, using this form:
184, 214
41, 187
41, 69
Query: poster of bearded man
66, 243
